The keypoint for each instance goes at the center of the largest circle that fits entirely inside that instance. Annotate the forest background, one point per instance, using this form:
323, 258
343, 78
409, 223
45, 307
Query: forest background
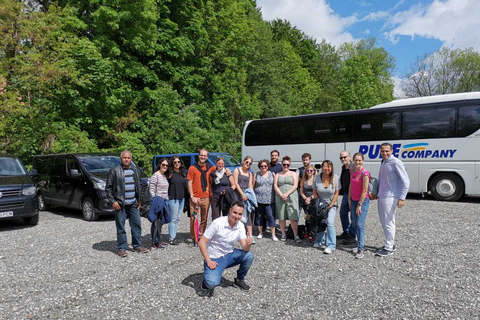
172, 76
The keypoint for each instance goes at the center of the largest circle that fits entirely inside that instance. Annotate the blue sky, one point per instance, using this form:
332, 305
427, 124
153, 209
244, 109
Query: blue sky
407, 29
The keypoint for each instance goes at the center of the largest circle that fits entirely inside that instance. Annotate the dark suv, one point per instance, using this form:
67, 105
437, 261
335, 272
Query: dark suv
17, 192
78, 181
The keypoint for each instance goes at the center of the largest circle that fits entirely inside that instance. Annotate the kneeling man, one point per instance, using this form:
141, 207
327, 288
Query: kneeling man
217, 247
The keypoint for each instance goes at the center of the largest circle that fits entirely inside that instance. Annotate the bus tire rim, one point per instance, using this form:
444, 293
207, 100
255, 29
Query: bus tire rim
445, 188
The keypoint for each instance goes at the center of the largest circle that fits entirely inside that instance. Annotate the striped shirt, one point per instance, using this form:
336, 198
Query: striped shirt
129, 186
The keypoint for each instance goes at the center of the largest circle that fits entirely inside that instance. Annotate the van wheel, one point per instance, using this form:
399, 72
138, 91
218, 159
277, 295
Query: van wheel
88, 210
447, 187
42, 206
31, 221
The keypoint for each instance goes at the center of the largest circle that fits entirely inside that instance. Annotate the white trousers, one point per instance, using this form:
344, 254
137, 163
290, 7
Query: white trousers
386, 213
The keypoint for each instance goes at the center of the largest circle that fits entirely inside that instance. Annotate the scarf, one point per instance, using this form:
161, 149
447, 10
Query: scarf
219, 175
203, 178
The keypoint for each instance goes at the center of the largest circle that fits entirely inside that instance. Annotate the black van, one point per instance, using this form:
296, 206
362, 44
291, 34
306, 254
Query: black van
17, 192
78, 181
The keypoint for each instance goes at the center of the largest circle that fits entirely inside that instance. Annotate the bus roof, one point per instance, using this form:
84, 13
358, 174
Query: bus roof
429, 100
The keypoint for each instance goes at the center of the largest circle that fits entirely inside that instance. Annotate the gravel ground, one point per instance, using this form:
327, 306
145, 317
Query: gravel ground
67, 268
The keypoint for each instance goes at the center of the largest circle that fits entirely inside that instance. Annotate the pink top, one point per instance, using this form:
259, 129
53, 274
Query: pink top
356, 183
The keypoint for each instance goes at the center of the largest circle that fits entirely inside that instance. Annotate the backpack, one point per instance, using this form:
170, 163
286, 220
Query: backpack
372, 183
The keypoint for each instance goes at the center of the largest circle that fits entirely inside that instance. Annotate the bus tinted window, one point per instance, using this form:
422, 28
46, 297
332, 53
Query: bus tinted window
429, 123
381, 126
334, 129
468, 120
292, 132
261, 133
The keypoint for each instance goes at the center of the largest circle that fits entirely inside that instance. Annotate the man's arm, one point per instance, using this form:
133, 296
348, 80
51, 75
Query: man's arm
403, 176
190, 190
246, 244
202, 245
109, 189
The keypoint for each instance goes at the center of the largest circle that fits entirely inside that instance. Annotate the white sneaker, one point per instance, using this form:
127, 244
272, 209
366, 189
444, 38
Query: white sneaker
316, 245
328, 251
355, 250
259, 236
274, 238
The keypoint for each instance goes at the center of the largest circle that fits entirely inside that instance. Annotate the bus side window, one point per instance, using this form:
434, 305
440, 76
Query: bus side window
425, 123
468, 120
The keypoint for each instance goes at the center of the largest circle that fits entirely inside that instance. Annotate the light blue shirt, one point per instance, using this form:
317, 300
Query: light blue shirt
393, 179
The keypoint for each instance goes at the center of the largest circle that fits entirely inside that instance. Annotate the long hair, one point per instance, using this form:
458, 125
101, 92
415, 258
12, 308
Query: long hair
182, 166
305, 177
330, 177
159, 166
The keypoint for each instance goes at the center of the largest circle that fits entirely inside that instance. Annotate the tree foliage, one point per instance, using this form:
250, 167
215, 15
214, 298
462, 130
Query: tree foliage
162, 76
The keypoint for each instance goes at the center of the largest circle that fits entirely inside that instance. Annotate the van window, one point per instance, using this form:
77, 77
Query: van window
59, 166
230, 161
100, 164
43, 165
72, 164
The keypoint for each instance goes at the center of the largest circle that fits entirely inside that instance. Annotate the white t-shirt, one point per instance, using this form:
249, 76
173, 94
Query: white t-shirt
222, 237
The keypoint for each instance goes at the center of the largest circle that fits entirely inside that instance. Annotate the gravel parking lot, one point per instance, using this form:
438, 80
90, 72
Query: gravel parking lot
67, 268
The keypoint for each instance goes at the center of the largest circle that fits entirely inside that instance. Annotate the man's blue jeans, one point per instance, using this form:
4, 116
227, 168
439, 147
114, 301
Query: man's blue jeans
331, 239
359, 221
344, 217
176, 209
212, 278
133, 215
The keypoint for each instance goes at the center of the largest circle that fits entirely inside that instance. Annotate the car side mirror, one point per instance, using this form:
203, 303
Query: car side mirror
75, 173
33, 172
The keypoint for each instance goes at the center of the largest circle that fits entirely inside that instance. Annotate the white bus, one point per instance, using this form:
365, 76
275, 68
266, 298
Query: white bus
438, 139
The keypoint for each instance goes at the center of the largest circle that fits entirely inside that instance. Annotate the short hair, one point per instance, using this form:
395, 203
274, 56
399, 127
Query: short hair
203, 149
263, 161
275, 151
246, 158
346, 152
237, 203
286, 158
386, 144
218, 159
307, 155
360, 155
125, 151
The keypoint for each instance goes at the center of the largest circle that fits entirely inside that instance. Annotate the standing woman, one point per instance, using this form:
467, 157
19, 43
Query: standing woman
159, 188
306, 190
286, 198
263, 187
243, 180
327, 188
176, 195
220, 180
358, 200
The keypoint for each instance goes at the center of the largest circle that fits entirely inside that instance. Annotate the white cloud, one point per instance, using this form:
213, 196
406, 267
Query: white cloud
398, 92
454, 22
314, 17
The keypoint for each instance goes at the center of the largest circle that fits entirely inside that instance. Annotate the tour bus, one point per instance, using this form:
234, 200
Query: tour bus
437, 138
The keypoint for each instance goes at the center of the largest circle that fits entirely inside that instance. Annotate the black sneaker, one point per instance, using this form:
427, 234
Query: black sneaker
207, 291
173, 242
383, 248
349, 241
343, 236
384, 253
241, 284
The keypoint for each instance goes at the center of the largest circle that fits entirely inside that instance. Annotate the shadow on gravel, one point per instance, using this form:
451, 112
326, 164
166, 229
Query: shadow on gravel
194, 281
111, 246
11, 225
76, 214
465, 199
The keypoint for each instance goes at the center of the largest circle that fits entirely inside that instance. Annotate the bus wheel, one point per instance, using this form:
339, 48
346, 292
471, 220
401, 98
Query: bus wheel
446, 187
88, 210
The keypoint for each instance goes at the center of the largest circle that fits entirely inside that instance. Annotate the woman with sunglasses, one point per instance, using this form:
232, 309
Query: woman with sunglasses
263, 187
159, 188
327, 189
243, 180
286, 198
306, 191
176, 195
220, 179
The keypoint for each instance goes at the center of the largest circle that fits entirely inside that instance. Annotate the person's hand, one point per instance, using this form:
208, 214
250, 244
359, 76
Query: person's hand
212, 264
308, 200
284, 197
244, 198
116, 206
139, 205
373, 196
349, 204
248, 241
359, 210
196, 201
400, 203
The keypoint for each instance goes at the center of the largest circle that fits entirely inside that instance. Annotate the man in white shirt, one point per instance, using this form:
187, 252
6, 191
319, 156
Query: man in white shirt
217, 247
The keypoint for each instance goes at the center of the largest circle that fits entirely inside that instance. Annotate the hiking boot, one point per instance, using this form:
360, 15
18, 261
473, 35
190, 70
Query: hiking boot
140, 250
359, 254
241, 284
122, 253
384, 253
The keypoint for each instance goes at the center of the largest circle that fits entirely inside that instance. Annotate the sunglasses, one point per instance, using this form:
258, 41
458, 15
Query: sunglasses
247, 163
286, 164
341, 158
311, 171
176, 162
164, 165
263, 166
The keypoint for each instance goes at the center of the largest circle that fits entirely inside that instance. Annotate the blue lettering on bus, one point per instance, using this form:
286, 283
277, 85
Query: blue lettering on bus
410, 151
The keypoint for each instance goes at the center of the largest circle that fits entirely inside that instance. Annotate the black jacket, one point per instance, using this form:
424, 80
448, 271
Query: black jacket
115, 187
318, 212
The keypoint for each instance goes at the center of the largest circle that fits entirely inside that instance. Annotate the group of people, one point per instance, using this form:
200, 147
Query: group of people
242, 199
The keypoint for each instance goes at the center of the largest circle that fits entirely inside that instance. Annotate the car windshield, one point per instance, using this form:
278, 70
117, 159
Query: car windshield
11, 167
230, 160
100, 164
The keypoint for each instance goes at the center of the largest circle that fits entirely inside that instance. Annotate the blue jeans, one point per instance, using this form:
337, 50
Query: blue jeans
176, 208
359, 221
133, 215
331, 238
212, 278
344, 217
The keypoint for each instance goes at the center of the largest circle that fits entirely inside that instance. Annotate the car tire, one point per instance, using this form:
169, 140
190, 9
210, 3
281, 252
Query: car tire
88, 210
447, 187
42, 206
31, 221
